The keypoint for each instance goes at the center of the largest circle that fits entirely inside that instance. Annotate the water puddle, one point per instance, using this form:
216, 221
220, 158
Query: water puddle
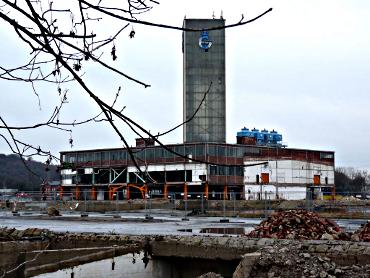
137, 265
224, 230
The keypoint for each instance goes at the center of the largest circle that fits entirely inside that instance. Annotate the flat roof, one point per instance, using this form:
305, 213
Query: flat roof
200, 143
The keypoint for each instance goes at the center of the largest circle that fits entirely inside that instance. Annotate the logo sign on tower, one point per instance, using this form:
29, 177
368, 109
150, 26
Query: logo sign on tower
204, 41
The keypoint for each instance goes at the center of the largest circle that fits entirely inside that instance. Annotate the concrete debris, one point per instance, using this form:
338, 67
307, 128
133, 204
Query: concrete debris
11, 234
298, 224
210, 275
291, 260
362, 234
52, 211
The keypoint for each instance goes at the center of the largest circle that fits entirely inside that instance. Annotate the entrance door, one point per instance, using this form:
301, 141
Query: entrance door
316, 179
265, 178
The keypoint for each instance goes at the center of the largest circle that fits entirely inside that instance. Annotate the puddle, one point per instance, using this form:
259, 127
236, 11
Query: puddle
137, 265
224, 230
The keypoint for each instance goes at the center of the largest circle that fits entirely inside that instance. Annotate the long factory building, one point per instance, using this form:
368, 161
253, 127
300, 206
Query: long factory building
258, 166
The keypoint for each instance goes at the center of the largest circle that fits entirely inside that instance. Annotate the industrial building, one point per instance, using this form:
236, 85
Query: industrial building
203, 70
258, 166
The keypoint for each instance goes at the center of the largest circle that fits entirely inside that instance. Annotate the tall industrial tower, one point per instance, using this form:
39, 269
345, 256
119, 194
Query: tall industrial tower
203, 65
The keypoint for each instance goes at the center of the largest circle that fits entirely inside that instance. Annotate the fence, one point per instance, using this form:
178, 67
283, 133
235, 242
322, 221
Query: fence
227, 204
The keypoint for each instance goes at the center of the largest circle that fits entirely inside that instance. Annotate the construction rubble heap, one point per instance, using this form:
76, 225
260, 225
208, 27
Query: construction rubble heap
362, 234
291, 260
298, 224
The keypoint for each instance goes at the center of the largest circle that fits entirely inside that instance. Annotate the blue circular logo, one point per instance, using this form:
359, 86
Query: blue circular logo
204, 41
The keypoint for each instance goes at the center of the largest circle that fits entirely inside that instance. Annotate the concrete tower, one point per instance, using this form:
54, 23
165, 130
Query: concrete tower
203, 64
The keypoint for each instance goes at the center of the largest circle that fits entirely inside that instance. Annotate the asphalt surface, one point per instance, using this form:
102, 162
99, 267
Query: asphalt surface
164, 222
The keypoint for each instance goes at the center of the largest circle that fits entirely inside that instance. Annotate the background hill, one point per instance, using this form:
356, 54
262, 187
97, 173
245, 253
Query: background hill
14, 174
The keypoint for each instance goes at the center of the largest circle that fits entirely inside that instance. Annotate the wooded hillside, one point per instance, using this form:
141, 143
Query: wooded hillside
14, 174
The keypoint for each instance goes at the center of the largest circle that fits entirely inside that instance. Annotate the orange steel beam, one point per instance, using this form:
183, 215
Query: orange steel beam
78, 193
206, 190
225, 192
165, 192
143, 190
93, 193
185, 191
128, 192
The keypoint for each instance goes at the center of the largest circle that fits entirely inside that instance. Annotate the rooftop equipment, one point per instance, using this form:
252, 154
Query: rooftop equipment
261, 138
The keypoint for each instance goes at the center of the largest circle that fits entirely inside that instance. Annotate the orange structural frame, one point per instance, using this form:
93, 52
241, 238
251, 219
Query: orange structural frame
78, 193
185, 191
225, 192
93, 193
165, 191
61, 192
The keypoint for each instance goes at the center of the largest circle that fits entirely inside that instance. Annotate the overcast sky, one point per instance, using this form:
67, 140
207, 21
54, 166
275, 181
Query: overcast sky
303, 69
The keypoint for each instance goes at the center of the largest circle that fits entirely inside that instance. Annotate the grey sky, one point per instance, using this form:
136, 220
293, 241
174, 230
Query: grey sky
302, 69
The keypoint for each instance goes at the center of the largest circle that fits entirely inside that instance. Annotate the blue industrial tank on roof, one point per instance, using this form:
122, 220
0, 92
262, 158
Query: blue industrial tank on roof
263, 137
244, 133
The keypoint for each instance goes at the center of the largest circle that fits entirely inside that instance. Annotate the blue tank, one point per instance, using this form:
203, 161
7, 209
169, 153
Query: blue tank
263, 137
244, 133
277, 138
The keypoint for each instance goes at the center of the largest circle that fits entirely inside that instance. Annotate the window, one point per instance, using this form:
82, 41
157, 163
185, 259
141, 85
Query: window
114, 155
221, 151
149, 153
105, 156
213, 170
326, 155
199, 150
212, 151
97, 156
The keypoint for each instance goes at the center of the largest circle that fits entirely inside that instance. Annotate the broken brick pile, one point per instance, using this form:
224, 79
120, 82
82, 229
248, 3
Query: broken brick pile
298, 224
362, 234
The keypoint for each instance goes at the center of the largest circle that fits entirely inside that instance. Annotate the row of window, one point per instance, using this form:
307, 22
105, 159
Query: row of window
198, 151
226, 170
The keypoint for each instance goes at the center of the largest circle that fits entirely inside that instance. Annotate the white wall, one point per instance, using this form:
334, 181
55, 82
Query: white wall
289, 172
67, 181
253, 192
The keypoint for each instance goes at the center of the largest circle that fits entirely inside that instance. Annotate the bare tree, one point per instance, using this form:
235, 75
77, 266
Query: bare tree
63, 37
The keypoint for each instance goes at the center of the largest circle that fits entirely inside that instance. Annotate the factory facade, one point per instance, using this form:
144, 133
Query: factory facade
258, 166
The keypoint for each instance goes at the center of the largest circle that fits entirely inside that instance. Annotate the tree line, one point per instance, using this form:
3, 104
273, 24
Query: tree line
351, 180
14, 173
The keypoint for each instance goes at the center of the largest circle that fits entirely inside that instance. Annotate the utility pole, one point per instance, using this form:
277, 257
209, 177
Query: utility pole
276, 169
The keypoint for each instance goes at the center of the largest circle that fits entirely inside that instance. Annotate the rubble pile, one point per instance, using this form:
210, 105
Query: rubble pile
362, 234
291, 260
298, 224
11, 234
52, 211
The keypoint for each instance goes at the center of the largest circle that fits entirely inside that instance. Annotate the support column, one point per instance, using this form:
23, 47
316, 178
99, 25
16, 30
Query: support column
78, 193
61, 192
127, 192
110, 193
206, 190
144, 191
225, 192
333, 193
93, 193
185, 191
165, 191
